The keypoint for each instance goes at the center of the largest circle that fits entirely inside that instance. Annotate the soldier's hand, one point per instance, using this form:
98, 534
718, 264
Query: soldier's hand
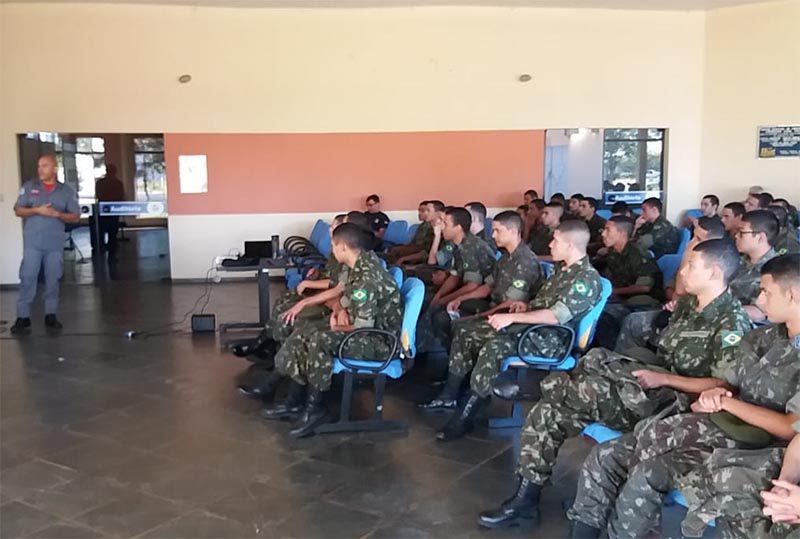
342, 318
518, 307
670, 305
711, 399
301, 287
639, 221
782, 502
500, 321
291, 315
453, 306
649, 379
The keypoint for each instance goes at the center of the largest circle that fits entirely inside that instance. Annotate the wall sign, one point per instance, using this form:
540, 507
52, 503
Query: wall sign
779, 141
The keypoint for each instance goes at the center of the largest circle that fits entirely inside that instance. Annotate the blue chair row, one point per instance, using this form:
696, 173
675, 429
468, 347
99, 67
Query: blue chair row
522, 362
605, 214
413, 293
306, 254
410, 232
395, 233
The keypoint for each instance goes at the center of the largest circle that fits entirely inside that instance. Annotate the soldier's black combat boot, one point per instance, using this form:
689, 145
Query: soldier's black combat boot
523, 505
263, 388
579, 530
262, 350
314, 414
463, 421
448, 398
292, 406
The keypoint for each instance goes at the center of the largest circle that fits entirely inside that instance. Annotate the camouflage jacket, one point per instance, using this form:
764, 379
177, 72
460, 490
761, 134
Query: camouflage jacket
371, 297
487, 237
335, 271
517, 276
632, 266
661, 237
787, 243
570, 292
539, 239
596, 225
473, 261
746, 283
444, 256
423, 237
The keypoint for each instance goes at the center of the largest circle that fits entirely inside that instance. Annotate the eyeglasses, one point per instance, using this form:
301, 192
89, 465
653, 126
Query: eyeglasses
741, 233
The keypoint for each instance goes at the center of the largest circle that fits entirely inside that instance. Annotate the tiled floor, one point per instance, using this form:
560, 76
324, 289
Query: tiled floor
108, 437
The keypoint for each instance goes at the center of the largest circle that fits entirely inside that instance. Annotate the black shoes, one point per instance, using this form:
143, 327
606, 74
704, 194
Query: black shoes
579, 530
262, 389
463, 421
262, 350
523, 505
448, 398
21, 325
51, 322
291, 407
314, 414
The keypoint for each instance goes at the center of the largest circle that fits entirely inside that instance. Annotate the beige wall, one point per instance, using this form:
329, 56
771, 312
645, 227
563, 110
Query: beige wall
752, 78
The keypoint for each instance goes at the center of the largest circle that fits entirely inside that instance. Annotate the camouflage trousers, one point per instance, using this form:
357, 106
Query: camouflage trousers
279, 330
434, 324
638, 331
307, 356
623, 482
479, 349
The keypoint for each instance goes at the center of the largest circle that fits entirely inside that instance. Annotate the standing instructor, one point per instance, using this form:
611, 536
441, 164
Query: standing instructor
45, 205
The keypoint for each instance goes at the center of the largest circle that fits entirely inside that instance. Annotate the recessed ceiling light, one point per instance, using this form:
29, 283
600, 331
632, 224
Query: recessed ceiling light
183, 79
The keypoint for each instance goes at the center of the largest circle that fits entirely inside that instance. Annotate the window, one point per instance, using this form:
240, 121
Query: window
151, 173
633, 163
90, 160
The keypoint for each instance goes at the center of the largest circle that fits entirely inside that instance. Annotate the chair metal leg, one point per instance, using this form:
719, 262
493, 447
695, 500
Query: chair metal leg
515, 420
376, 423
380, 386
347, 397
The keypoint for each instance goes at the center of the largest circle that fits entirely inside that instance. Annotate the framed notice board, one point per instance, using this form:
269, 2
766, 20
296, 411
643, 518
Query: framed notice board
779, 141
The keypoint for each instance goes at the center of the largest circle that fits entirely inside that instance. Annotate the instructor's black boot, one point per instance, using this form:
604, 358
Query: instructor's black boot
523, 505
463, 421
21, 325
579, 530
51, 322
448, 398
292, 406
314, 414
264, 387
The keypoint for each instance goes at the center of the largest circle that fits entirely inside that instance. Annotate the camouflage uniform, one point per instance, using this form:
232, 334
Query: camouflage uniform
660, 236
639, 331
569, 293
623, 482
423, 237
596, 225
487, 237
540, 238
603, 389
372, 300
786, 242
746, 283
279, 330
473, 262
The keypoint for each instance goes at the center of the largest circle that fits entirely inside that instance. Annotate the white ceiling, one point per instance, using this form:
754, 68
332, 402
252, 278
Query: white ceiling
666, 5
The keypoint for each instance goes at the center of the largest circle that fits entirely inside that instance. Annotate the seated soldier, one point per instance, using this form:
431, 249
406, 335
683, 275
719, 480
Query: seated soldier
757, 201
529, 196
516, 277
754, 240
588, 211
653, 232
634, 275
542, 234
571, 291
732, 215
370, 299
621, 208
794, 219
423, 236
619, 390
478, 227
377, 219
473, 263
573, 207
754, 404
786, 242
559, 198
709, 205
641, 329
433, 214
304, 303
361, 220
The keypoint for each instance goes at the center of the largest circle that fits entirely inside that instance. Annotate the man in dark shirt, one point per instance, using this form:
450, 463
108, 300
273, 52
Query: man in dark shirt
588, 210
477, 211
108, 189
377, 219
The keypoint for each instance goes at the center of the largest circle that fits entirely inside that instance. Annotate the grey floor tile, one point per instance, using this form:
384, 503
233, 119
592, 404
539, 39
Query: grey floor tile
18, 520
131, 514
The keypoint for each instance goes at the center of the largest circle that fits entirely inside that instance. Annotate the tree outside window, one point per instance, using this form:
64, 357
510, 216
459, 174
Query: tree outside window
633, 160
151, 173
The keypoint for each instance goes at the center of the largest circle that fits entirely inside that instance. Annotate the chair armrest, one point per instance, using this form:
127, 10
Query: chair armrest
380, 363
532, 329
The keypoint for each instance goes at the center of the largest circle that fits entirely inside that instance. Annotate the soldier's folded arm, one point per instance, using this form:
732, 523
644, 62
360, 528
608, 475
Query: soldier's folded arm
776, 423
693, 386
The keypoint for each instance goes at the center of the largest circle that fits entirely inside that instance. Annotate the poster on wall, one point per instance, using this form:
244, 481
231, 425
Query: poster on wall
193, 174
779, 141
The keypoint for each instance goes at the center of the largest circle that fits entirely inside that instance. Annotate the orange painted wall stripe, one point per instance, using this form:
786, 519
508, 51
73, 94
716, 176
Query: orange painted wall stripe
306, 173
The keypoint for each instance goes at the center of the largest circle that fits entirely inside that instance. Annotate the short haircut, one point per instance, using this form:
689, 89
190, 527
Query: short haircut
353, 236
374, 198
720, 252
737, 208
653, 202
712, 225
556, 206
49, 155
424, 202
532, 193
781, 202
623, 223
509, 219
762, 199
576, 196
523, 207
577, 230
460, 216
763, 221
539, 203
620, 206
755, 189
438, 205
557, 196
780, 213
358, 218
785, 269
477, 208
339, 218
591, 201
713, 198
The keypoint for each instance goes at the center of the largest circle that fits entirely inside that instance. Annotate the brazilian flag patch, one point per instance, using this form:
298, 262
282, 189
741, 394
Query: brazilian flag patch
360, 294
518, 283
448, 247
581, 288
731, 338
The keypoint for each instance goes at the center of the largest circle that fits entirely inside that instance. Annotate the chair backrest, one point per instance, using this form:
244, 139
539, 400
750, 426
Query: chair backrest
487, 226
410, 232
605, 214
397, 275
685, 237
696, 212
413, 292
383, 263
498, 255
586, 326
547, 268
324, 245
669, 264
320, 229
396, 232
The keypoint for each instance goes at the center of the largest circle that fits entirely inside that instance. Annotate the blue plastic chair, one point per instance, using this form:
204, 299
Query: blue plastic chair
695, 213
522, 362
395, 233
410, 232
605, 214
669, 265
601, 434
487, 226
547, 268
413, 292
686, 235
397, 274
